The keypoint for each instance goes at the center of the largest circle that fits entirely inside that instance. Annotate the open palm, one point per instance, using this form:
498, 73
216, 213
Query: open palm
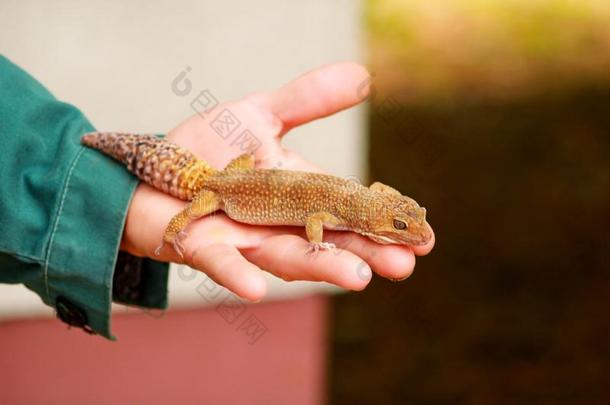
233, 253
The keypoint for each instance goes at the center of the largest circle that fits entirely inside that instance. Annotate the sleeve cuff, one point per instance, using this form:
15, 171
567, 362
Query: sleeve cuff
83, 250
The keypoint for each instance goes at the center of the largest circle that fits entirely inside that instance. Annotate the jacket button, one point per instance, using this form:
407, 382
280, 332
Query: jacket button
71, 314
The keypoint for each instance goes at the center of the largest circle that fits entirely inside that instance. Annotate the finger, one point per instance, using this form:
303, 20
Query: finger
226, 266
316, 94
286, 256
394, 262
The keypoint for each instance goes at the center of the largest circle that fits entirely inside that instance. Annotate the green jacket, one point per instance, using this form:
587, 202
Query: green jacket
62, 211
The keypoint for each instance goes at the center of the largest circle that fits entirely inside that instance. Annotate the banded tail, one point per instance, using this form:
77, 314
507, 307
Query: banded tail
156, 161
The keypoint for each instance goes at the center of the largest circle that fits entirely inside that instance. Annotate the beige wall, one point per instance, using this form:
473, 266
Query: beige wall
116, 61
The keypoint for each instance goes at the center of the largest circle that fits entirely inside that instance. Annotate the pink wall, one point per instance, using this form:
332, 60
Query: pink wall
193, 356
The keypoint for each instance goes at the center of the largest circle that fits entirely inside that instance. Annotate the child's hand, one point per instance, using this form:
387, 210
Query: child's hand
233, 253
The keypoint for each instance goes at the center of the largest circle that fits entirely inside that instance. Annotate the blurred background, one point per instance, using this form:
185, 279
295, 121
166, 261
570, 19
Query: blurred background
495, 115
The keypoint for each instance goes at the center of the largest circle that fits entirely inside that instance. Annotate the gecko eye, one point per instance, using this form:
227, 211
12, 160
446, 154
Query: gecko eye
399, 224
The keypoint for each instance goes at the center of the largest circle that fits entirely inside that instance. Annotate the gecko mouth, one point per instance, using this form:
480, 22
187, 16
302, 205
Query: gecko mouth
393, 240
382, 239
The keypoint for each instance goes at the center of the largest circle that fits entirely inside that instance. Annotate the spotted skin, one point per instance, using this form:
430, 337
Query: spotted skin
265, 196
164, 165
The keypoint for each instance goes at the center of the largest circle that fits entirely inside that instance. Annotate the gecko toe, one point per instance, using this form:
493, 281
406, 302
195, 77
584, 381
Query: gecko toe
314, 247
179, 248
327, 246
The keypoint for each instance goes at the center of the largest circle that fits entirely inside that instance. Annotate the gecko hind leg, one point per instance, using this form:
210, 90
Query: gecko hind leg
177, 244
205, 202
314, 228
242, 162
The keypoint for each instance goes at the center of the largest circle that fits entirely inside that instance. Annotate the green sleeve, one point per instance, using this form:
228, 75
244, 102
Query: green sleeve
62, 211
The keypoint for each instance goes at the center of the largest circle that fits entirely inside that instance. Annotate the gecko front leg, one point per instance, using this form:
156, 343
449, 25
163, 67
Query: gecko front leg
205, 202
314, 228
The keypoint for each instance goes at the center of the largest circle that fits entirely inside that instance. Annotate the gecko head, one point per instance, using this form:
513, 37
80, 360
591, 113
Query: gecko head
400, 220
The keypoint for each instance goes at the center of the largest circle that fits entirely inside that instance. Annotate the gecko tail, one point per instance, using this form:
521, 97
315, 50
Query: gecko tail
120, 146
154, 160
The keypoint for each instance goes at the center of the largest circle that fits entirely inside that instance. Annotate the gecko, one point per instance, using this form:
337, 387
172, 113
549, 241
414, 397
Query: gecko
264, 196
